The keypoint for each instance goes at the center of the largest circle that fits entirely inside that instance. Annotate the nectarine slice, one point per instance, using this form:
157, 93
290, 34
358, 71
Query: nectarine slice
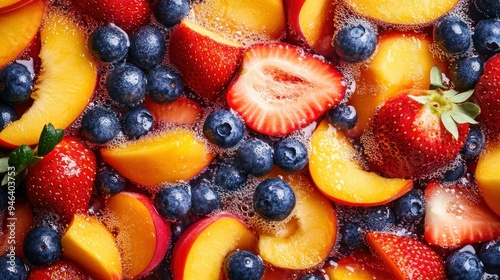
17, 229
202, 248
18, 29
392, 70
308, 238
141, 233
337, 173
358, 266
65, 84
397, 12
488, 175
171, 156
89, 244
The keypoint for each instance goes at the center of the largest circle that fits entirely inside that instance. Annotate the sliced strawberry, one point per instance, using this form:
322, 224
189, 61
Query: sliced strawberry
487, 94
128, 15
407, 257
456, 216
280, 88
60, 270
181, 111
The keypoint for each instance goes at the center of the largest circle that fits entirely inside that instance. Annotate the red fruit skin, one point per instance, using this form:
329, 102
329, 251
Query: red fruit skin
60, 270
206, 66
181, 111
62, 181
128, 15
408, 258
487, 97
405, 141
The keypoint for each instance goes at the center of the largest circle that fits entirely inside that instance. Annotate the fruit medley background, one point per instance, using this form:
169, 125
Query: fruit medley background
227, 139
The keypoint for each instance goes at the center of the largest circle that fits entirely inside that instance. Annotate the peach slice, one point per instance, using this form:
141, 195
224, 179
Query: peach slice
488, 175
89, 244
18, 28
182, 111
11, 5
358, 266
261, 17
390, 71
202, 248
170, 156
310, 23
16, 229
337, 173
141, 233
60, 95
308, 238
397, 12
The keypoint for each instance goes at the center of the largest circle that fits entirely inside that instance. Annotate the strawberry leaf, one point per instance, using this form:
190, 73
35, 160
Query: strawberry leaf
436, 79
21, 157
461, 97
49, 139
4, 164
470, 109
449, 124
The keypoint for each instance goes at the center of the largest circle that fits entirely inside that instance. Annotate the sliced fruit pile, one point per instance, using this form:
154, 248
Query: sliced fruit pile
228, 139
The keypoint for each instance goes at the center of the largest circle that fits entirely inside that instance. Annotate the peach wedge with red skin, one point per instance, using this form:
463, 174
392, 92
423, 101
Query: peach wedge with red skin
201, 250
336, 172
488, 175
11, 5
59, 95
167, 157
18, 28
309, 236
88, 243
142, 234
397, 12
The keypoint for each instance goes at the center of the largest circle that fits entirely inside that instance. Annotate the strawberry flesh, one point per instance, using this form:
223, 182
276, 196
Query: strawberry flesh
280, 88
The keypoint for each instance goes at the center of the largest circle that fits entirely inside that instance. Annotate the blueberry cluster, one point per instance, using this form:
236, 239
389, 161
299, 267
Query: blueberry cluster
467, 263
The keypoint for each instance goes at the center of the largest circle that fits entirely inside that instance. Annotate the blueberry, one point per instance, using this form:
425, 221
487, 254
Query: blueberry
490, 256
350, 237
100, 125
164, 84
452, 35
486, 36
490, 8
464, 264
171, 12
473, 145
126, 84
409, 208
42, 246
223, 128
255, 157
109, 43
137, 122
229, 177
243, 265
465, 73
147, 47
290, 155
343, 116
173, 202
204, 199
16, 83
109, 181
273, 199
177, 228
12, 268
355, 42
7, 115
379, 218
455, 173
4, 197
311, 276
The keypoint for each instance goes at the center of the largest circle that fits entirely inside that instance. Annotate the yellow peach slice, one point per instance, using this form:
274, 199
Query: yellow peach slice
88, 243
358, 266
488, 175
18, 29
171, 156
398, 12
65, 84
391, 70
264, 17
308, 238
336, 172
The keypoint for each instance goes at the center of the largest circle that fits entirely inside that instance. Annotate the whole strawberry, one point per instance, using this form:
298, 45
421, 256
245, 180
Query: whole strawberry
419, 131
487, 95
62, 180
128, 15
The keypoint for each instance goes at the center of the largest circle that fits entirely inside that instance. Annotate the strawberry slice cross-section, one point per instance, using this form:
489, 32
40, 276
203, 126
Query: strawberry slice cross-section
280, 88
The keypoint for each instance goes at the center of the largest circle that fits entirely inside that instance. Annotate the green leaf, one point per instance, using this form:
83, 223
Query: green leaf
462, 97
4, 164
21, 157
49, 139
460, 117
470, 109
422, 99
449, 124
436, 79
450, 93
